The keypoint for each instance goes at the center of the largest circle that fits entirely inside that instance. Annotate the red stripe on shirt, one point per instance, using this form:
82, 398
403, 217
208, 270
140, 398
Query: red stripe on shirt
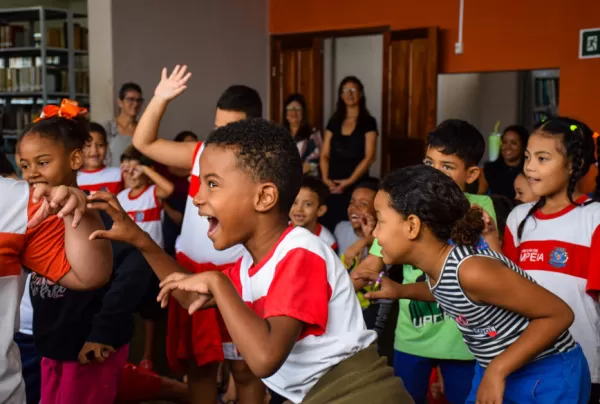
147, 215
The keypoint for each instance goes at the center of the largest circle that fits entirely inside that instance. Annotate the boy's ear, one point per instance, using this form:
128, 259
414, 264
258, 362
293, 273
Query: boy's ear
472, 174
76, 159
267, 197
322, 210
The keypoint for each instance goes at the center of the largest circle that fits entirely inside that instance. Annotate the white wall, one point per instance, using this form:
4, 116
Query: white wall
480, 98
223, 42
360, 56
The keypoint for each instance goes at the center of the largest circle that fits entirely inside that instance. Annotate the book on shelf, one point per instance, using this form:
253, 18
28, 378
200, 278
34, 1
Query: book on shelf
15, 36
24, 74
546, 92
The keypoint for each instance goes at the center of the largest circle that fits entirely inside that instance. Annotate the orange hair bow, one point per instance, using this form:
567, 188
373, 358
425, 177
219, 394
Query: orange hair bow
68, 109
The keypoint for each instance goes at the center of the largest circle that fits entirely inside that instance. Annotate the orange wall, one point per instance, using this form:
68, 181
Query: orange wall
497, 35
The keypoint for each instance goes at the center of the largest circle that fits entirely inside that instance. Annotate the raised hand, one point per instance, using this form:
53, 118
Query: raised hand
367, 224
171, 86
124, 228
61, 200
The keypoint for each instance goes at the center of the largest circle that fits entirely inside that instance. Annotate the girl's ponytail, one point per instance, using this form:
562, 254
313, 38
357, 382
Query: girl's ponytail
467, 230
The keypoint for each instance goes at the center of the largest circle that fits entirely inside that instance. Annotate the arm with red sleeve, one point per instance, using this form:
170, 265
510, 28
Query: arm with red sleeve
63, 254
296, 305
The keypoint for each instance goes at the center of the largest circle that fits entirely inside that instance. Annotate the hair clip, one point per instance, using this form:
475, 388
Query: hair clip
68, 109
573, 128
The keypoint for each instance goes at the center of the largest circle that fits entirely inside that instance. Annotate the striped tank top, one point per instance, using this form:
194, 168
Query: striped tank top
487, 330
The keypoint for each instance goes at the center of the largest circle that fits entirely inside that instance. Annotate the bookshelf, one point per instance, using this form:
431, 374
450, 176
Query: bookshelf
43, 58
545, 93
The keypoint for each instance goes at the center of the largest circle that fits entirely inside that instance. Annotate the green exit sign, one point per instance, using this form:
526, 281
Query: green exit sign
589, 43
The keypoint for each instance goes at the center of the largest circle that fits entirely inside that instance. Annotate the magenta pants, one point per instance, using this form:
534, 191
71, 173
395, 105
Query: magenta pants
69, 382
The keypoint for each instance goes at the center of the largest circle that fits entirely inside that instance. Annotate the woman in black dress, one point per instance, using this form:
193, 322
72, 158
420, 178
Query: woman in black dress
349, 148
499, 176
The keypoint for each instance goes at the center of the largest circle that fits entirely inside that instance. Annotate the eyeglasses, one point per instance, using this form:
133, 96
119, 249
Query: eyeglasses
351, 90
293, 108
133, 100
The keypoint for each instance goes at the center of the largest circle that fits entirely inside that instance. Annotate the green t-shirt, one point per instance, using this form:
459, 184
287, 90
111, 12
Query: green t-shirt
422, 329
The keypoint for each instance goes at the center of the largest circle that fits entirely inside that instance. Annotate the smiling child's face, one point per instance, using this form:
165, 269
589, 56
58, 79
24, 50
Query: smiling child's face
43, 160
227, 197
391, 231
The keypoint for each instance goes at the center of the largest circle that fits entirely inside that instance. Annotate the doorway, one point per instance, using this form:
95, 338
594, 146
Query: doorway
398, 68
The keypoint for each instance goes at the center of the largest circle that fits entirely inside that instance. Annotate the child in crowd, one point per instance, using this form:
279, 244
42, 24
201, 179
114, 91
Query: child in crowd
353, 243
516, 329
147, 189
56, 249
556, 239
94, 175
309, 206
427, 337
523, 192
30, 360
82, 337
143, 200
301, 331
195, 343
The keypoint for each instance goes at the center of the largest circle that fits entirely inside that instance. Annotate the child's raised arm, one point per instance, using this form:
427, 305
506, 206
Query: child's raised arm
145, 138
164, 187
489, 281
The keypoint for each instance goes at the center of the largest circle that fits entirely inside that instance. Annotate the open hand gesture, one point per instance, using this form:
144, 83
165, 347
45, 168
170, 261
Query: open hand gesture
197, 287
124, 228
173, 85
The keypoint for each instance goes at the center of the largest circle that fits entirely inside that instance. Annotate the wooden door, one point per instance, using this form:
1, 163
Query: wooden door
410, 68
297, 67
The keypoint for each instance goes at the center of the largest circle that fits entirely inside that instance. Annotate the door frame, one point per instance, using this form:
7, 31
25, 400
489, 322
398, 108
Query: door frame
305, 36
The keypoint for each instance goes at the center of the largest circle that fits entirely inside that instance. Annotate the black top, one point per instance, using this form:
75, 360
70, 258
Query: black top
348, 151
64, 320
501, 177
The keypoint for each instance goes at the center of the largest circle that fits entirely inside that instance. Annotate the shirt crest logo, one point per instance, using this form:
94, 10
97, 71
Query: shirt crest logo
559, 257
139, 216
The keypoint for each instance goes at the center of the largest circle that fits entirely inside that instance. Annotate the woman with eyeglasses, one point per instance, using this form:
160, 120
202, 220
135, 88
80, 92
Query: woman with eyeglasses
120, 129
307, 138
348, 149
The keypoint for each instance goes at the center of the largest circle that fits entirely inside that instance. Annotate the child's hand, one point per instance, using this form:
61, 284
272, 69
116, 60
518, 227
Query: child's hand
491, 388
353, 252
173, 85
367, 224
489, 225
198, 285
62, 201
123, 229
137, 171
93, 351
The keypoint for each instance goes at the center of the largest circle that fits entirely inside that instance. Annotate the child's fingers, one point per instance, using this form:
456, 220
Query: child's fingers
99, 235
163, 73
198, 304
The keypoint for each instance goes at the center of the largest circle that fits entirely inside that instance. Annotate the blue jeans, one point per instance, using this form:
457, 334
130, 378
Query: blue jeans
563, 378
30, 363
415, 372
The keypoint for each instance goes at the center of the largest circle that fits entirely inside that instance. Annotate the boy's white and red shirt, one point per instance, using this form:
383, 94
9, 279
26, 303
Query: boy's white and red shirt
561, 251
146, 210
42, 250
108, 179
325, 235
303, 278
193, 242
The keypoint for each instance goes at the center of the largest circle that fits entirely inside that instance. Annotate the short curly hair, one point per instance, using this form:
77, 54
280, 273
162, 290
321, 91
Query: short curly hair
266, 152
435, 199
